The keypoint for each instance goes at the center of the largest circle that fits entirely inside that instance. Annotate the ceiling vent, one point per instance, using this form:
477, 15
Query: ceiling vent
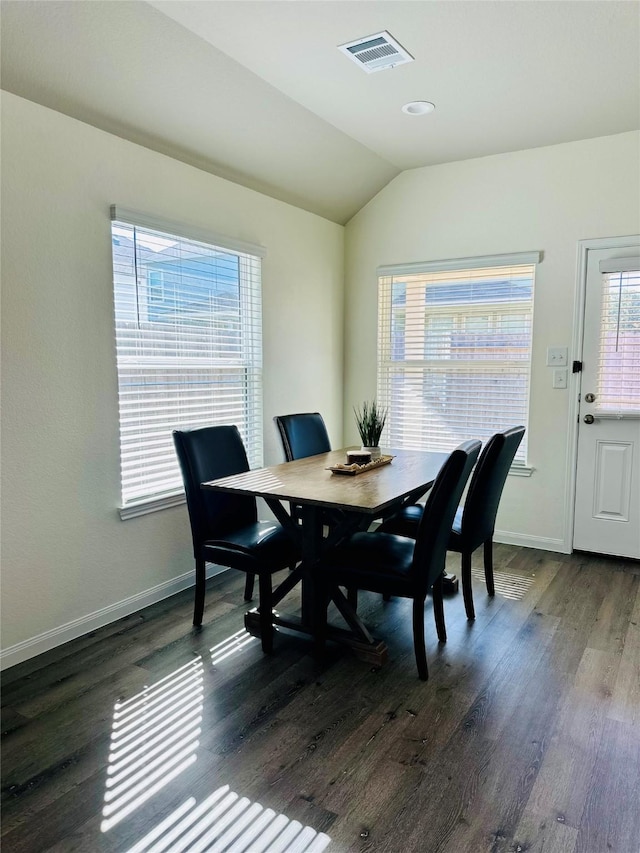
377, 52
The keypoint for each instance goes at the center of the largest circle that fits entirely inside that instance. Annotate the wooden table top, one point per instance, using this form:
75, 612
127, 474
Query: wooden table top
307, 481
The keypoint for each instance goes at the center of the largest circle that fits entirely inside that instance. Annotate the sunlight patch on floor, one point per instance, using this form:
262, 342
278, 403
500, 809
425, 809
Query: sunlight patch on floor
154, 734
154, 738
231, 645
227, 823
507, 585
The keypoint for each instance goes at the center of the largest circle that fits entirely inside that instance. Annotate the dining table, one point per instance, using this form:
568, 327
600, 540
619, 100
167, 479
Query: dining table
319, 506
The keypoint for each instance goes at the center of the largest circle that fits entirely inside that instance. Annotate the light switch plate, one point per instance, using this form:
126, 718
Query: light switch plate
560, 377
557, 356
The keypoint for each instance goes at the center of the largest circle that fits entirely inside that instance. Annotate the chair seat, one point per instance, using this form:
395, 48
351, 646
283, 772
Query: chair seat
262, 547
372, 561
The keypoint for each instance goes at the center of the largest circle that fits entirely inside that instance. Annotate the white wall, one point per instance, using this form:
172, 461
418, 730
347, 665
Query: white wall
66, 554
542, 199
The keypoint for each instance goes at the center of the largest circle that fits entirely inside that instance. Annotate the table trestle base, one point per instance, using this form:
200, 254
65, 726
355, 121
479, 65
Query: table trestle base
374, 652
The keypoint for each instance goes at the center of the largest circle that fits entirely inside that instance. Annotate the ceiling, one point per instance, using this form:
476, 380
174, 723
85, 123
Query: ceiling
256, 90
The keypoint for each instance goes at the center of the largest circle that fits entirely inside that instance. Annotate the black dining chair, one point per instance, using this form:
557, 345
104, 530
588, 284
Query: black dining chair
397, 565
225, 527
302, 435
474, 523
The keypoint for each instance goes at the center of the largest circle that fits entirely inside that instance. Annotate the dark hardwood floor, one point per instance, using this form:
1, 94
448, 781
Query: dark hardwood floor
149, 735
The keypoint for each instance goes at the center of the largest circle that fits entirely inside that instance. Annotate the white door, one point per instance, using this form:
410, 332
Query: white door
607, 505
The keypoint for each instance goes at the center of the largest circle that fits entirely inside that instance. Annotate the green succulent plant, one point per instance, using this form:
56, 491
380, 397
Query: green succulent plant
370, 420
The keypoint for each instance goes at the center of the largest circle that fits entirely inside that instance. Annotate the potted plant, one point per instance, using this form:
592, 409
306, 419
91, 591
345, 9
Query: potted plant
370, 420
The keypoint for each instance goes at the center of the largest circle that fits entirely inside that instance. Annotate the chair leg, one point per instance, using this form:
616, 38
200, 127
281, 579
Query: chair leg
418, 638
467, 591
248, 586
266, 624
198, 608
438, 609
488, 566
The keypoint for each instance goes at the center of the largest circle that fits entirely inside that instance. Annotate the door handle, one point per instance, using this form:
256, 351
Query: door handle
588, 419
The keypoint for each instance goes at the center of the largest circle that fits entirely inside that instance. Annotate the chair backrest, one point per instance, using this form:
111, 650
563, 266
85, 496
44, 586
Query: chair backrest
485, 488
209, 453
435, 525
302, 435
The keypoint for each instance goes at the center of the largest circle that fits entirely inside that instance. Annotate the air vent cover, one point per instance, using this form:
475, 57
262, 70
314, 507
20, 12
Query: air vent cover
377, 52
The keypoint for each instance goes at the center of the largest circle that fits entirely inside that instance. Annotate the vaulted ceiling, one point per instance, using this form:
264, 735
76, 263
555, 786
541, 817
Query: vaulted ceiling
258, 92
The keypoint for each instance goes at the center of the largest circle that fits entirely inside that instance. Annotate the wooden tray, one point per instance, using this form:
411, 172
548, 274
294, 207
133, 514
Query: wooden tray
352, 470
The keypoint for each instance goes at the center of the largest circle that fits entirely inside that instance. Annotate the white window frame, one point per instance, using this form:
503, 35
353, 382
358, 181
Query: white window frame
386, 362
249, 269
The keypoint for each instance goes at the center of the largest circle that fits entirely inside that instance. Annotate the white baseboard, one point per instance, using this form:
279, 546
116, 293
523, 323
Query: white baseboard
34, 646
541, 542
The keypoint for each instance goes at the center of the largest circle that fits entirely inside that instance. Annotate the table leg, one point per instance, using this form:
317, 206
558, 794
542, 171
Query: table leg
311, 549
450, 584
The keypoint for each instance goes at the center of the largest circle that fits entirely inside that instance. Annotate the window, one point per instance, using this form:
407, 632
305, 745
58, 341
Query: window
619, 356
188, 347
454, 350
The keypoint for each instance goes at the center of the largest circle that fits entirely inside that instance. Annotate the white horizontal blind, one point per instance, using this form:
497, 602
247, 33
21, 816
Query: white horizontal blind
454, 354
619, 356
189, 350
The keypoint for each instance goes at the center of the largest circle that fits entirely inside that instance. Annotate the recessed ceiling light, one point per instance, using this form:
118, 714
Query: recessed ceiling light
418, 108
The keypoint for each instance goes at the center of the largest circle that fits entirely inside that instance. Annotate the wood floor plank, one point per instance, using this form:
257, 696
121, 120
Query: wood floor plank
22, 808
56, 821
565, 777
625, 701
495, 799
610, 820
614, 614
11, 721
537, 834
525, 737
44, 748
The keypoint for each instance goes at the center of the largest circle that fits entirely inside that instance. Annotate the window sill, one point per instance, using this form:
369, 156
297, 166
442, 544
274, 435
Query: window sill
152, 505
521, 471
